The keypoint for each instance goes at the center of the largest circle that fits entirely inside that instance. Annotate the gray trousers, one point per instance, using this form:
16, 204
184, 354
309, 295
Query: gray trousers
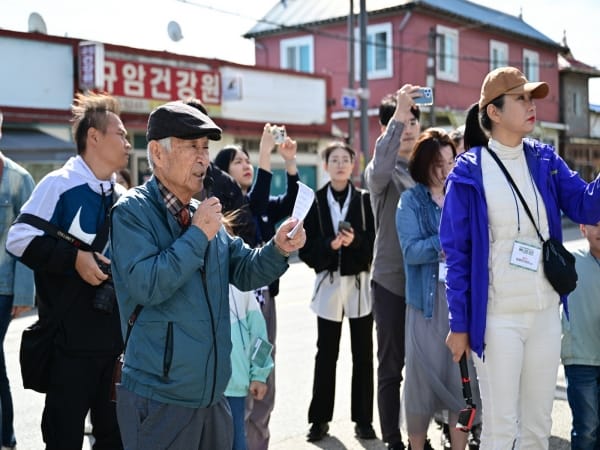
150, 425
258, 412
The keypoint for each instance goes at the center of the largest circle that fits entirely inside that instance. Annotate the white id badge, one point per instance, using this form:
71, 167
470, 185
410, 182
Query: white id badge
526, 256
442, 270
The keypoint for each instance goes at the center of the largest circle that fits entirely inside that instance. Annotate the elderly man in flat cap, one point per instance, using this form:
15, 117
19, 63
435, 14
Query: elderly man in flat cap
172, 264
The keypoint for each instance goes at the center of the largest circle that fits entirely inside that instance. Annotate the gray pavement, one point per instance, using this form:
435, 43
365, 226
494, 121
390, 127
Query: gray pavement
295, 356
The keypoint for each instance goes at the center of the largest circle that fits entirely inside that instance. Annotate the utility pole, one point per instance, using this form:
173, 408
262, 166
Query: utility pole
364, 91
351, 71
431, 70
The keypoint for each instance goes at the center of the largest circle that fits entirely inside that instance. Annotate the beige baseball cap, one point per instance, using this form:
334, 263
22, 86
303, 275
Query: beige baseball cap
509, 80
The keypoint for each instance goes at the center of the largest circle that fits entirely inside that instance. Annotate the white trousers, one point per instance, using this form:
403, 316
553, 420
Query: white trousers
517, 379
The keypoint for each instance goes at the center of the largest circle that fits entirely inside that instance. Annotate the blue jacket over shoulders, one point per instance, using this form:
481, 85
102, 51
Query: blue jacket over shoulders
464, 227
16, 279
417, 222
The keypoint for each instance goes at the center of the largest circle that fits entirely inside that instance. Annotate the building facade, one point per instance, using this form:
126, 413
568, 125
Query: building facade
42, 73
447, 44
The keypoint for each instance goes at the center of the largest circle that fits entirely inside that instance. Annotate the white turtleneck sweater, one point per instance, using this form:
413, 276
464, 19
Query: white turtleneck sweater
513, 289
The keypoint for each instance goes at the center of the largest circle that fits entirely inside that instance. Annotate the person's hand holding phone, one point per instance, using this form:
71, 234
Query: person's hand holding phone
345, 233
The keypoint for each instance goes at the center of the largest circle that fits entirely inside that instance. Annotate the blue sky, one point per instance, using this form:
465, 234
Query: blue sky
210, 32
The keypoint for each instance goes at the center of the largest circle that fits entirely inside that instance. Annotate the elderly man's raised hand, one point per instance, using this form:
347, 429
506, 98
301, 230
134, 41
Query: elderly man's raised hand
285, 243
208, 217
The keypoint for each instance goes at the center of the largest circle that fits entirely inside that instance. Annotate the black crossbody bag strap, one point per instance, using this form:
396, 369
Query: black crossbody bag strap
516, 189
132, 318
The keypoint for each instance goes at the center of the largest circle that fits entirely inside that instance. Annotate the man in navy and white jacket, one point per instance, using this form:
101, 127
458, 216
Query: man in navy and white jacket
77, 199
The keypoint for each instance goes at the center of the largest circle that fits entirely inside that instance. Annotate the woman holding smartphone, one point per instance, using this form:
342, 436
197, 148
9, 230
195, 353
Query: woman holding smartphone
339, 246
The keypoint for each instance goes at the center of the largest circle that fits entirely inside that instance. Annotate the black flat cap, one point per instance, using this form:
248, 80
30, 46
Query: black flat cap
176, 119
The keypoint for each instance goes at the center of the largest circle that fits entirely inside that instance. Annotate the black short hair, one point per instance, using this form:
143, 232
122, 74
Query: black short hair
388, 106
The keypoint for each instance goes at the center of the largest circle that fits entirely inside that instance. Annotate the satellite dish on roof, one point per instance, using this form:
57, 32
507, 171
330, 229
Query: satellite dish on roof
174, 31
36, 24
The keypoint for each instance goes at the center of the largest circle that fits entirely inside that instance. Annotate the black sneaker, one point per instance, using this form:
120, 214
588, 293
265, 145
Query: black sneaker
474, 437
445, 437
396, 446
364, 431
427, 445
317, 432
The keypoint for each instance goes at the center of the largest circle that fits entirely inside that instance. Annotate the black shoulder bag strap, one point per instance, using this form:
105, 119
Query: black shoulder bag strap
516, 189
130, 322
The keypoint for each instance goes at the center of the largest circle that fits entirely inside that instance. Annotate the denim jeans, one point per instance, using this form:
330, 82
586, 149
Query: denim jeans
583, 392
6, 411
238, 411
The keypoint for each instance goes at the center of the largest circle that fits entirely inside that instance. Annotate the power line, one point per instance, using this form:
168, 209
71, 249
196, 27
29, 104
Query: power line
343, 37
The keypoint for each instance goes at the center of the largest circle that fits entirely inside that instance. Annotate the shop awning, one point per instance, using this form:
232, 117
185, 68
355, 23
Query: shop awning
31, 145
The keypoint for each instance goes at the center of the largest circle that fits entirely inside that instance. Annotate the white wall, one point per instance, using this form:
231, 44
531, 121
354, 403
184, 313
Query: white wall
280, 98
35, 74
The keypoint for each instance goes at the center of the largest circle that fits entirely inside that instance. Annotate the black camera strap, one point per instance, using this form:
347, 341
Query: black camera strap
52, 230
49, 228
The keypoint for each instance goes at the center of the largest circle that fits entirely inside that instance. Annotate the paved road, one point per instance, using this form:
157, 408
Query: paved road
295, 357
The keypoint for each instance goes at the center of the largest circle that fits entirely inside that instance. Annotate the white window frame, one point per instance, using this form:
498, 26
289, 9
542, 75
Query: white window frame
501, 49
297, 42
532, 73
374, 74
450, 74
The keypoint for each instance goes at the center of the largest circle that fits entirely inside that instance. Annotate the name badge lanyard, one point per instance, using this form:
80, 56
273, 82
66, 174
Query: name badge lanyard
512, 186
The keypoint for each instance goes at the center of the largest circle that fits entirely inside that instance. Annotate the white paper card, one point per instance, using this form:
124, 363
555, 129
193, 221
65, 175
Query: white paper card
442, 271
526, 256
304, 201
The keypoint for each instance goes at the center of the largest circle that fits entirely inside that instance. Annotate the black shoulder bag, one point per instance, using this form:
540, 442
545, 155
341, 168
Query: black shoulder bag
559, 263
37, 341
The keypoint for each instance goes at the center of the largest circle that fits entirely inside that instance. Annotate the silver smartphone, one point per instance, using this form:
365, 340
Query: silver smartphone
425, 98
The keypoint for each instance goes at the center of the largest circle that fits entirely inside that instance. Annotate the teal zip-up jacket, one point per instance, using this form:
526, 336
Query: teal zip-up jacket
179, 348
247, 324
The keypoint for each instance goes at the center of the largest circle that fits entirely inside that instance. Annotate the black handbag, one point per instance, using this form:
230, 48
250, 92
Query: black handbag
558, 262
35, 355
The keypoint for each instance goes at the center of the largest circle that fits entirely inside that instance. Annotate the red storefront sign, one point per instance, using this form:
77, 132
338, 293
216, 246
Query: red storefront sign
140, 84
160, 83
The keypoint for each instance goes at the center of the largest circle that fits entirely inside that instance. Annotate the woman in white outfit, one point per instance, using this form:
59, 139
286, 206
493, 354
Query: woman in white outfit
502, 306
339, 247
